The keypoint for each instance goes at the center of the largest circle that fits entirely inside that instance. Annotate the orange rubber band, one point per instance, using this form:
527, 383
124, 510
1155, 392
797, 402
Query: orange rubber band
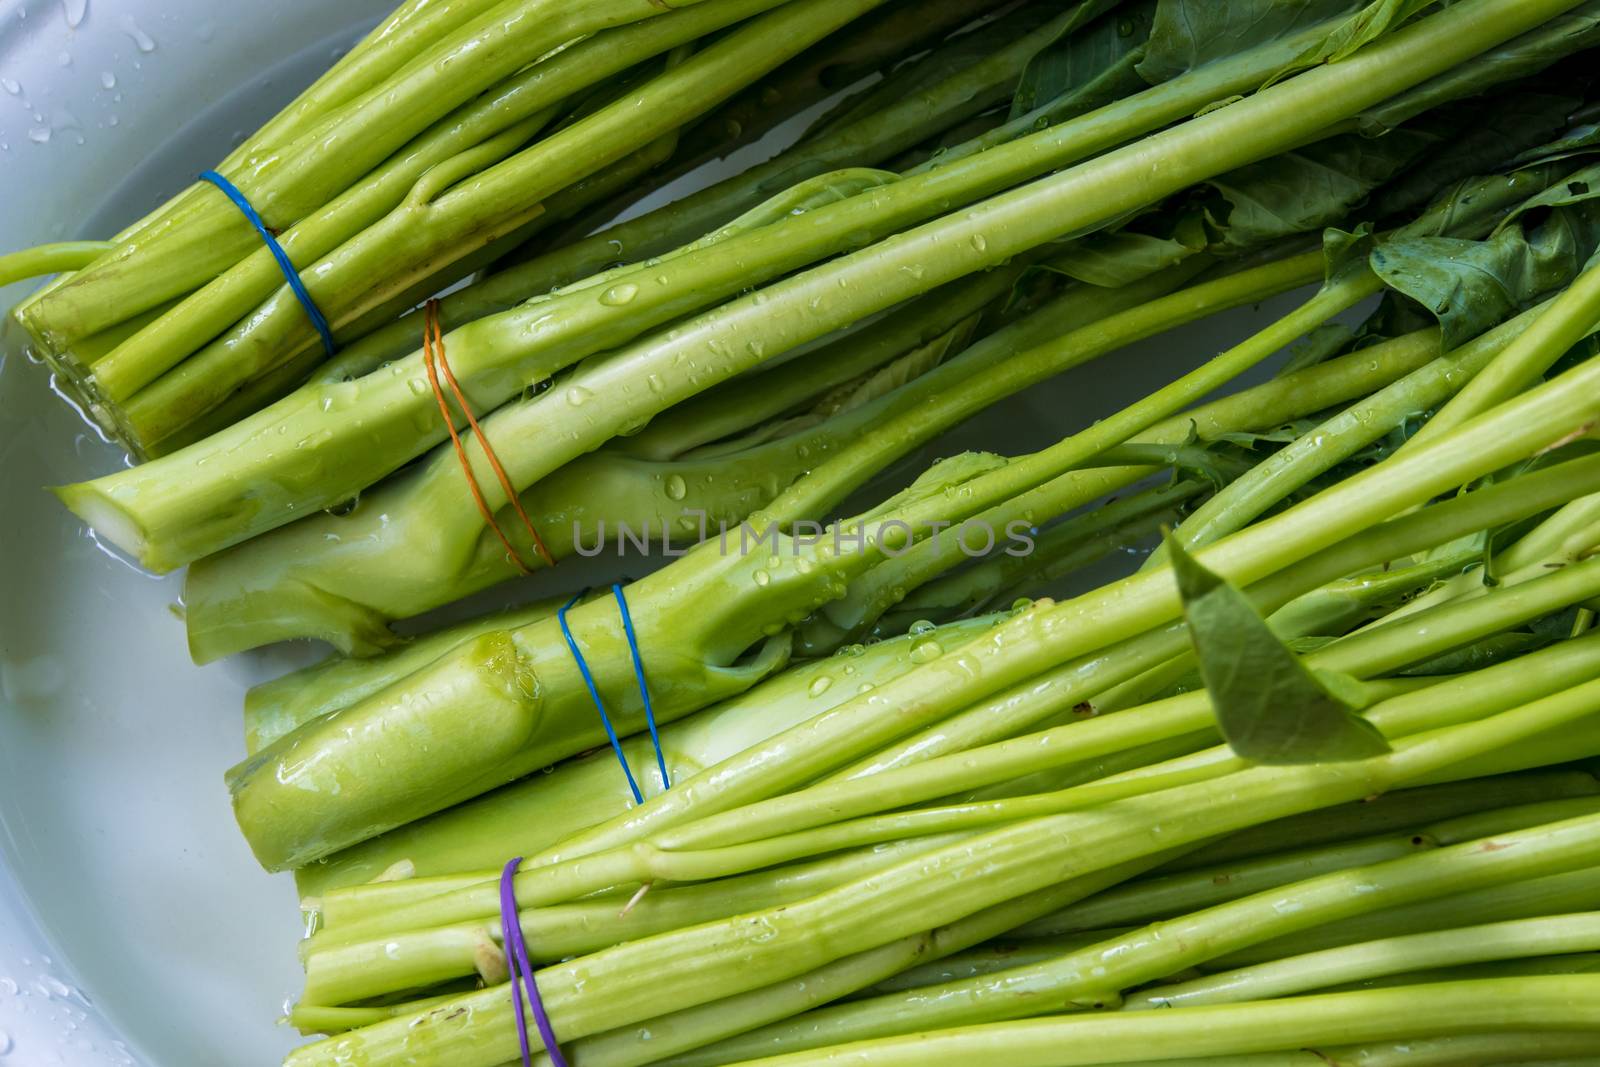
432, 335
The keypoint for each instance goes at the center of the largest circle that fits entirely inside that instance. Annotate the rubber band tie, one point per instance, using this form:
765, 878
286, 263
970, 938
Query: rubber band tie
433, 359
594, 691
524, 989
522, 972
290, 274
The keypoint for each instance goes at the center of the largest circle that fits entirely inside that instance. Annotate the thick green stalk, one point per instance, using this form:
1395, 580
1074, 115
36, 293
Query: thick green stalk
1392, 812
1374, 959
278, 707
173, 510
348, 971
1165, 896
1563, 893
1514, 1005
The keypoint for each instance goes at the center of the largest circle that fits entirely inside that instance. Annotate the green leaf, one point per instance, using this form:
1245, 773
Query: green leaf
1306, 189
1188, 34
1484, 136
1471, 285
1480, 654
1118, 258
1080, 56
944, 61
1270, 707
1356, 32
1580, 140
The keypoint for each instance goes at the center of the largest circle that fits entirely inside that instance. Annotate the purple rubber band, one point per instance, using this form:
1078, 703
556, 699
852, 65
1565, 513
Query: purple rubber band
522, 972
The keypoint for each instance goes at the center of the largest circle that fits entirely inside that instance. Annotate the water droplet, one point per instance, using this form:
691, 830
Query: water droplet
677, 488
39, 134
418, 387
763, 578
852, 650
756, 348
63, 59
75, 12
108, 80
11, 86
9, 987
979, 243
914, 270
6, 1044
141, 40
819, 685
920, 627
577, 395
926, 651
655, 383
618, 295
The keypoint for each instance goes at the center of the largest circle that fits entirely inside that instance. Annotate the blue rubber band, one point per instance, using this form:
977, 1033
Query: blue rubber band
594, 692
644, 689
290, 274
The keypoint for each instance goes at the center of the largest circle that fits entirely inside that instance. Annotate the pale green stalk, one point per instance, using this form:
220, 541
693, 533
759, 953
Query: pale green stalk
1513, 1005
1374, 959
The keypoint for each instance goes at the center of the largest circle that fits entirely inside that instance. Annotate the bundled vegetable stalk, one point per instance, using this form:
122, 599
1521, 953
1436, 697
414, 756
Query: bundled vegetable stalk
183, 506
419, 150
1305, 781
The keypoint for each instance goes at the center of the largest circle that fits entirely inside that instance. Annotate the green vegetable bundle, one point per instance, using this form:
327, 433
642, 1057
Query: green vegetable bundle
916, 779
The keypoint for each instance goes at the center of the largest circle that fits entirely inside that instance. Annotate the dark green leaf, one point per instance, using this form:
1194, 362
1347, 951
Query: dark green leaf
945, 60
1580, 140
1270, 707
1479, 654
1484, 136
1188, 34
1472, 285
1306, 189
1356, 32
1118, 258
1081, 55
